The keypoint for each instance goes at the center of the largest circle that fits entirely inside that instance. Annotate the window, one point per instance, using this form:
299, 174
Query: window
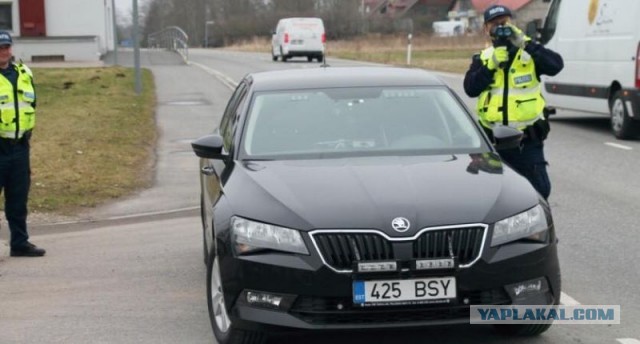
551, 22
365, 121
6, 20
227, 124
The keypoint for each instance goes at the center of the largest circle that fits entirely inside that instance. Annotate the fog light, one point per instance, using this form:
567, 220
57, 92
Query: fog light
377, 266
534, 286
263, 299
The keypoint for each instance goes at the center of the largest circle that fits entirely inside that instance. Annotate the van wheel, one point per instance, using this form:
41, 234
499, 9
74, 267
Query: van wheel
274, 57
623, 126
282, 56
223, 329
320, 58
309, 58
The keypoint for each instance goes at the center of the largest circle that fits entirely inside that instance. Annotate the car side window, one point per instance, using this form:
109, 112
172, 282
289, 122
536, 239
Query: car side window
226, 123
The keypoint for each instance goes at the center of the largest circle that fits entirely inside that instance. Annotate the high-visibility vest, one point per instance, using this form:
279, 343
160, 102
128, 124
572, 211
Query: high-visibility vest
524, 103
17, 114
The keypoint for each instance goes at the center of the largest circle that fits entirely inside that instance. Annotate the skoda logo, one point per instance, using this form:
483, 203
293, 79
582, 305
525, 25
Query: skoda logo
400, 224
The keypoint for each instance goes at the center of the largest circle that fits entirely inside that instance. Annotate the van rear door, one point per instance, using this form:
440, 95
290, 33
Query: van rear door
306, 34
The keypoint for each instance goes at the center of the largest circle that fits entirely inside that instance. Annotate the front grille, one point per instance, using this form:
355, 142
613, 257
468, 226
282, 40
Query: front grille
464, 242
341, 250
321, 310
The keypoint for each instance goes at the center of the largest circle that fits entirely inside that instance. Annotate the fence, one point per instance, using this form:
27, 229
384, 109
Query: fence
171, 38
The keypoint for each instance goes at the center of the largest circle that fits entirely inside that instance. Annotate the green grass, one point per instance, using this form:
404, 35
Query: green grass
448, 54
455, 61
94, 137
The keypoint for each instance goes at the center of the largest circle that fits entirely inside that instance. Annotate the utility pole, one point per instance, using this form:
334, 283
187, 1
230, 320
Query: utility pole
115, 33
136, 48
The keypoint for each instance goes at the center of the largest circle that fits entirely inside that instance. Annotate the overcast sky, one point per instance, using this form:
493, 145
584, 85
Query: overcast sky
124, 8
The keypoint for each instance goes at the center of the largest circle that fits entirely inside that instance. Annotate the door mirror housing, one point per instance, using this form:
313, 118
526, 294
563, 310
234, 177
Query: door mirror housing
507, 137
533, 29
209, 147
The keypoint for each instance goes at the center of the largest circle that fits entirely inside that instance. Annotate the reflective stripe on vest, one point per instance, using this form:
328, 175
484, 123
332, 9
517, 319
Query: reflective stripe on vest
525, 102
517, 125
12, 135
14, 124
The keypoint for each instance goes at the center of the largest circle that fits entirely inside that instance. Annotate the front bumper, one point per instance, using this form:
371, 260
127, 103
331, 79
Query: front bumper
293, 51
316, 297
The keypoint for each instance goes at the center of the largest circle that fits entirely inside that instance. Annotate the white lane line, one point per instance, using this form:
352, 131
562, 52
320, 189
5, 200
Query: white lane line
617, 145
628, 341
227, 81
568, 300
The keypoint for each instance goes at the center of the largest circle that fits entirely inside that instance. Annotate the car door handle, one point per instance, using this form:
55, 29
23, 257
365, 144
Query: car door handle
208, 171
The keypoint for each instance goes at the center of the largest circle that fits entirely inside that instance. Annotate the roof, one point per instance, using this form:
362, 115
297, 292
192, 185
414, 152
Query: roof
330, 77
513, 5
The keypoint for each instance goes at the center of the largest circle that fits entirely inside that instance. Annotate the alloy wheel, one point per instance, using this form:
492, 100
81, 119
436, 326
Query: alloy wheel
217, 300
617, 114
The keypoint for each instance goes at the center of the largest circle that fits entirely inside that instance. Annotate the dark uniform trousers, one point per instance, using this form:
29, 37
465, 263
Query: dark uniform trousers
529, 161
15, 180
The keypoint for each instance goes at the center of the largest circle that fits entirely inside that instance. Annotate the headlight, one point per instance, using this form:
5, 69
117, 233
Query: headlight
249, 236
529, 224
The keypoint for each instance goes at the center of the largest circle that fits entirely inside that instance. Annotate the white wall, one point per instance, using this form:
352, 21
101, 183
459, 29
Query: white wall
81, 18
72, 49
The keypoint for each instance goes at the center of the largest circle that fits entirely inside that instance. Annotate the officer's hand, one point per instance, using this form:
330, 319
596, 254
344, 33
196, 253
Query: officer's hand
500, 56
518, 38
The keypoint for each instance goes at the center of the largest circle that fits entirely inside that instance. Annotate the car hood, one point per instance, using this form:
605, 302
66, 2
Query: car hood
368, 193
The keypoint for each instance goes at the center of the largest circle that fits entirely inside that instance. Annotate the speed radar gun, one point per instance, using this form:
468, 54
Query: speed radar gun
501, 34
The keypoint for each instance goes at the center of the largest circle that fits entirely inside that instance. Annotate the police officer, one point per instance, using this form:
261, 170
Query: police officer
17, 119
506, 79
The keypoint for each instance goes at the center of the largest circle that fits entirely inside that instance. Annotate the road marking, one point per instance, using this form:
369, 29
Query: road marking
628, 341
568, 300
617, 145
227, 81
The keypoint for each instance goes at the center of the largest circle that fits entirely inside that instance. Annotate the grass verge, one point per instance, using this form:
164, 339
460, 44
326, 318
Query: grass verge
447, 54
93, 137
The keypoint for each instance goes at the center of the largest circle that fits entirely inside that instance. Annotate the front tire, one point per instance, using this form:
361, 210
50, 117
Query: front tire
223, 329
622, 126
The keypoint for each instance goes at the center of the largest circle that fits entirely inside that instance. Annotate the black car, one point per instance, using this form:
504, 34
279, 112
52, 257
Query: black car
364, 197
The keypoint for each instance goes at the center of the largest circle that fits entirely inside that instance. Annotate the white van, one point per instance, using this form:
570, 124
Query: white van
298, 37
599, 41
449, 28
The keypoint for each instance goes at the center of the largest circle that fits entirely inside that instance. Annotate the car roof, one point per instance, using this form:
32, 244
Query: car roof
330, 77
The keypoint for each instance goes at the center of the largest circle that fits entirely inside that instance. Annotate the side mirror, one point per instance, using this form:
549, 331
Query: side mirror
533, 29
506, 137
209, 147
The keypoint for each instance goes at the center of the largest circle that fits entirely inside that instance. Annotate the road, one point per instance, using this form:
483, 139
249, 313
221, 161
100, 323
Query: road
141, 279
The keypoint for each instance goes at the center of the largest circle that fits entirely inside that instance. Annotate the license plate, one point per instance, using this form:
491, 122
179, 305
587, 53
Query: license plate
409, 291
297, 41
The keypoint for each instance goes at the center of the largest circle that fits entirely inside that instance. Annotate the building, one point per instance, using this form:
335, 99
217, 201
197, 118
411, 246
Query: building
58, 30
524, 11
467, 11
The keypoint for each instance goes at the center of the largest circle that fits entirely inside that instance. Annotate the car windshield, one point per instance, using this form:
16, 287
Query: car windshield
334, 122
